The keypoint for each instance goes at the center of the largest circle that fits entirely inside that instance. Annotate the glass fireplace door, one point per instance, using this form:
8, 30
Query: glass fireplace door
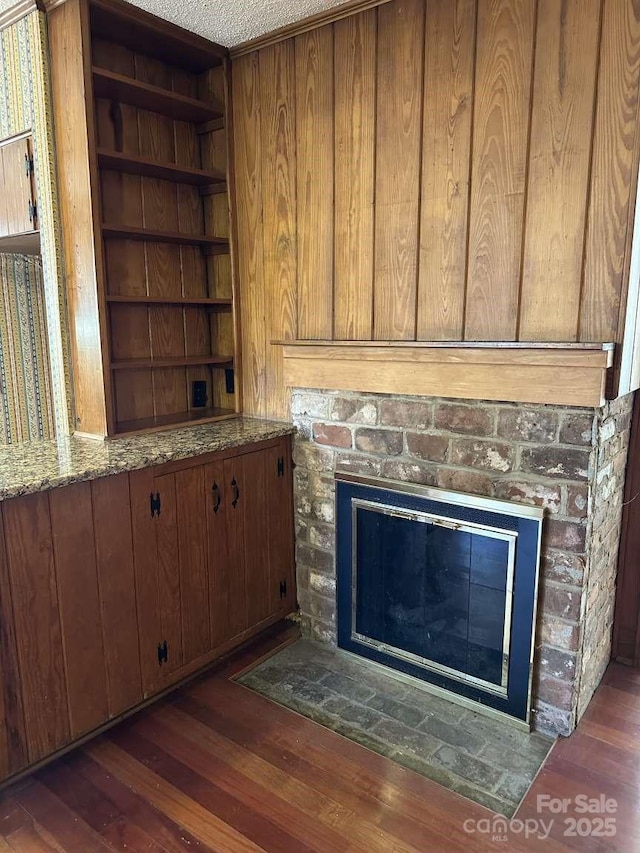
433, 591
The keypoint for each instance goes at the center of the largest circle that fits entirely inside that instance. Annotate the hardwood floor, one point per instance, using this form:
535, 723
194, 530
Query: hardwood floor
215, 767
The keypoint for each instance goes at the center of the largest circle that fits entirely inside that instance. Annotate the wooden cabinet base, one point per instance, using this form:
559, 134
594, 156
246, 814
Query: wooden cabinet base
183, 676
113, 591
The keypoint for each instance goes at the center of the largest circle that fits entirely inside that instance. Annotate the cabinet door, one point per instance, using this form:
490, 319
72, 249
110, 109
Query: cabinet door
36, 615
281, 527
19, 186
173, 570
69, 655
258, 506
225, 534
114, 563
192, 563
254, 503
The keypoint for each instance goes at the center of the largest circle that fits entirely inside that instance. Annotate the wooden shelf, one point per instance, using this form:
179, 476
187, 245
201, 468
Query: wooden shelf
126, 232
143, 32
210, 302
181, 361
119, 162
107, 84
174, 420
571, 375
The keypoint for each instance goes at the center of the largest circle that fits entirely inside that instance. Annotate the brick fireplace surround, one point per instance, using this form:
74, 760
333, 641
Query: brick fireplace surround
569, 461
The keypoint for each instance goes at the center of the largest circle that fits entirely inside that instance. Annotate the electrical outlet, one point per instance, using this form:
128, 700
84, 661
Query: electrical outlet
199, 394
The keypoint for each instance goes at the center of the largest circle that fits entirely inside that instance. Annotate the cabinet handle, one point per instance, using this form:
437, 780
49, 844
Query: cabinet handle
217, 498
236, 493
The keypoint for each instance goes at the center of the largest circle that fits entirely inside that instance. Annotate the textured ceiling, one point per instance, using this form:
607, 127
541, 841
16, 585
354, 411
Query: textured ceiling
229, 22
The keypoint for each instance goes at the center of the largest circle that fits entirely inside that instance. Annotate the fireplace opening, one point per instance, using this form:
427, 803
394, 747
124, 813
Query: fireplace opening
440, 586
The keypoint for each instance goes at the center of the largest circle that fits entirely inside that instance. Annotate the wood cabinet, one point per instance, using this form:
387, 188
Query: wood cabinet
18, 199
214, 555
70, 637
114, 590
144, 202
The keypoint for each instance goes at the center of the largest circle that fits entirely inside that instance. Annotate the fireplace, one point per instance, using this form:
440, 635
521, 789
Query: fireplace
441, 586
568, 462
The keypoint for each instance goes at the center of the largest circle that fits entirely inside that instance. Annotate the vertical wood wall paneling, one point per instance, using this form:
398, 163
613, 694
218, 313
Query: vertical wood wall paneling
398, 135
560, 152
446, 153
29, 548
13, 746
355, 104
486, 144
247, 138
315, 172
277, 93
612, 179
116, 582
79, 602
505, 35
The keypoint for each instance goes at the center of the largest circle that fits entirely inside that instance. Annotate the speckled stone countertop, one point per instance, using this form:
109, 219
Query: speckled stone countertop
39, 465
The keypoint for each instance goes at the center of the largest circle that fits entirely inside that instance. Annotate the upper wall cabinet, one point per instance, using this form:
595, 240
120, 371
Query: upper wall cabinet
144, 201
18, 204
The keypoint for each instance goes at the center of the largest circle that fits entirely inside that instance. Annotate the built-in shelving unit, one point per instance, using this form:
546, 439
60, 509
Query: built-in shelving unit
156, 120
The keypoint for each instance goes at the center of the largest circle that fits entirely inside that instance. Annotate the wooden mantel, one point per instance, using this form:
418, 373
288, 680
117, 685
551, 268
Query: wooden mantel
562, 374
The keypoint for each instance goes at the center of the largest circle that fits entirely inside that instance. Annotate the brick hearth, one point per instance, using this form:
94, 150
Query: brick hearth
569, 461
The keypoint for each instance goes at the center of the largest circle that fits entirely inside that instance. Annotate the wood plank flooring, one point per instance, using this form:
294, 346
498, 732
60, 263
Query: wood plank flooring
215, 767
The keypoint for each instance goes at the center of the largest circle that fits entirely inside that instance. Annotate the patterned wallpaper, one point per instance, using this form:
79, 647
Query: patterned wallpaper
36, 288
26, 411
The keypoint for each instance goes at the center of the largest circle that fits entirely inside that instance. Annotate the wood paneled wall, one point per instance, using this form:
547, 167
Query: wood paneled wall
437, 170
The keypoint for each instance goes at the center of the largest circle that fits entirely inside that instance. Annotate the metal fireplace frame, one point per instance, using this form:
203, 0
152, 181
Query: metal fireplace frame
524, 521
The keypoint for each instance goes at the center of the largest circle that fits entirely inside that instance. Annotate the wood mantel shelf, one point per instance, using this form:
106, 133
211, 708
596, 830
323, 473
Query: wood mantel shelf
571, 374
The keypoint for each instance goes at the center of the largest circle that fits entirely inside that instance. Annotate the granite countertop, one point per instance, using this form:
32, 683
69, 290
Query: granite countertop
39, 465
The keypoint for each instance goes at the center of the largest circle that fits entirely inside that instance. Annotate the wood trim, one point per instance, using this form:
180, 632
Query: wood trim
18, 11
466, 345
328, 16
557, 375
